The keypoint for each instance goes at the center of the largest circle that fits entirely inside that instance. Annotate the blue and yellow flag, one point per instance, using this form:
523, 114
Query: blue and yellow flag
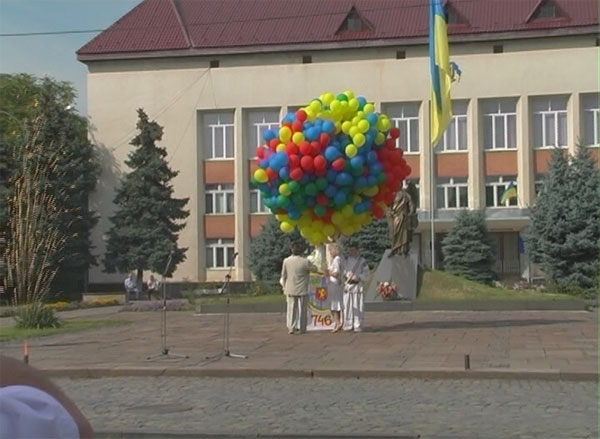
509, 193
441, 72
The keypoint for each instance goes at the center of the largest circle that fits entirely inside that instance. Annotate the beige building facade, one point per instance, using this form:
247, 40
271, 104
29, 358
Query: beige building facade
519, 96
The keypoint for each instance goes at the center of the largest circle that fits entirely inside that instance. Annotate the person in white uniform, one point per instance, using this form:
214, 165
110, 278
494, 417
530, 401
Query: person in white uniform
335, 285
356, 272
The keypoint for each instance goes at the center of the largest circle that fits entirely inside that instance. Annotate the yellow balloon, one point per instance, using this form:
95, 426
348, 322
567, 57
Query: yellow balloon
329, 230
284, 189
353, 131
379, 139
280, 148
285, 134
385, 123
335, 105
355, 120
351, 150
346, 127
364, 126
315, 106
353, 103
328, 98
338, 127
286, 227
371, 191
337, 218
359, 139
310, 114
261, 176
350, 94
298, 138
368, 108
347, 211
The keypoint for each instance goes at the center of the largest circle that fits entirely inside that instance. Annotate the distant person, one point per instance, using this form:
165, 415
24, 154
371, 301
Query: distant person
357, 272
131, 287
31, 406
335, 285
153, 287
295, 280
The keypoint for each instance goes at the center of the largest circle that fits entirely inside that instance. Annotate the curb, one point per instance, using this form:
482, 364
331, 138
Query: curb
184, 435
470, 305
434, 374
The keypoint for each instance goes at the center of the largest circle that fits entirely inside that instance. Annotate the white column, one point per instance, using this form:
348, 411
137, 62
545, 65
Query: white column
201, 199
525, 180
573, 122
424, 157
241, 197
476, 171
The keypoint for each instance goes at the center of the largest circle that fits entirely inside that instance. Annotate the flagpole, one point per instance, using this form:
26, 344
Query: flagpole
431, 190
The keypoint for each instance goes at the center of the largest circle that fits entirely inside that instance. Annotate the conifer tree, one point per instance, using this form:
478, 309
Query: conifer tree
372, 240
269, 249
468, 248
147, 219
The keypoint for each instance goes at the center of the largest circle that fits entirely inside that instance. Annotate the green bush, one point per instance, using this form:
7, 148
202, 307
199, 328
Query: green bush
36, 315
263, 288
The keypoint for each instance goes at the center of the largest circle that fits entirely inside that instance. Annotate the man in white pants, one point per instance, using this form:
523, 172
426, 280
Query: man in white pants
357, 272
295, 277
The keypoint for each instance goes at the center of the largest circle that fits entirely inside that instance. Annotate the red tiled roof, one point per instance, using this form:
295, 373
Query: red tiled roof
180, 25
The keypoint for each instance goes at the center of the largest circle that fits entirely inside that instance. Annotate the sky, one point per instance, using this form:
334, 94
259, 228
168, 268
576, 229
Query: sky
54, 55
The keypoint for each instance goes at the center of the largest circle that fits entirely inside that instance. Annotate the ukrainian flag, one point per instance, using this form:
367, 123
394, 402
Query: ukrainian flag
509, 193
441, 73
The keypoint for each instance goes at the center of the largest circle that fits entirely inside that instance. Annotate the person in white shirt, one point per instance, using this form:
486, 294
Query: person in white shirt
131, 287
356, 272
335, 285
153, 287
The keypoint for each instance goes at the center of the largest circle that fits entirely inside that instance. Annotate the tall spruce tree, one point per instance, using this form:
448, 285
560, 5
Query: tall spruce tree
269, 249
147, 219
468, 248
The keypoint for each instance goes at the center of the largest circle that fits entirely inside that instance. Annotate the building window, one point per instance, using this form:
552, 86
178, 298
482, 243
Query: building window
500, 124
219, 198
550, 122
405, 116
400, 54
591, 119
219, 253
257, 122
218, 135
455, 136
494, 189
214, 63
256, 202
498, 48
452, 193
306, 59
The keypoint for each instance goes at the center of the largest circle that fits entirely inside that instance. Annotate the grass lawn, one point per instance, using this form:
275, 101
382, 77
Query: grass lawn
14, 333
243, 300
439, 285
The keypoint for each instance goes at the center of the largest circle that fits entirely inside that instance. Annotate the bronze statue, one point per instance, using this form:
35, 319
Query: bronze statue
402, 219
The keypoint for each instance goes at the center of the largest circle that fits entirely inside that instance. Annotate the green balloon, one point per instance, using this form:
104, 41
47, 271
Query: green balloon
321, 183
294, 186
381, 177
310, 189
298, 200
282, 201
320, 211
342, 97
357, 171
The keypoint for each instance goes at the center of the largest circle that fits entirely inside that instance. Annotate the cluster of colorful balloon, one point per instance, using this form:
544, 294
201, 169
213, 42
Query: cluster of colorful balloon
330, 168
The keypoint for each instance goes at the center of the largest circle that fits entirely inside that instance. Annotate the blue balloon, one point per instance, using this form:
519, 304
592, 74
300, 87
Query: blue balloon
357, 161
372, 118
328, 126
290, 117
264, 163
332, 153
376, 168
310, 200
331, 175
371, 180
344, 179
284, 173
362, 101
371, 157
330, 191
339, 198
312, 133
268, 135
361, 182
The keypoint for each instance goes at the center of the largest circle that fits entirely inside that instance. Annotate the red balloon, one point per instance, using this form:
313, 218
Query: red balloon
273, 143
320, 162
387, 166
287, 124
407, 170
388, 198
322, 199
324, 139
306, 162
394, 133
315, 148
321, 172
296, 126
294, 161
272, 174
390, 144
338, 164
291, 148
395, 185
305, 148
260, 152
327, 217
378, 212
399, 172
301, 115
296, 174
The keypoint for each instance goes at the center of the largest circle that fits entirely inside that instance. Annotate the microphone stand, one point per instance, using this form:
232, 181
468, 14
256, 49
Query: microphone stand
225, 290
164, 350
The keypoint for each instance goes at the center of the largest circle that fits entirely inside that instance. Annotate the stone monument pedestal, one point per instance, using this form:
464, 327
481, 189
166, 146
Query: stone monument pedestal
402, 270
